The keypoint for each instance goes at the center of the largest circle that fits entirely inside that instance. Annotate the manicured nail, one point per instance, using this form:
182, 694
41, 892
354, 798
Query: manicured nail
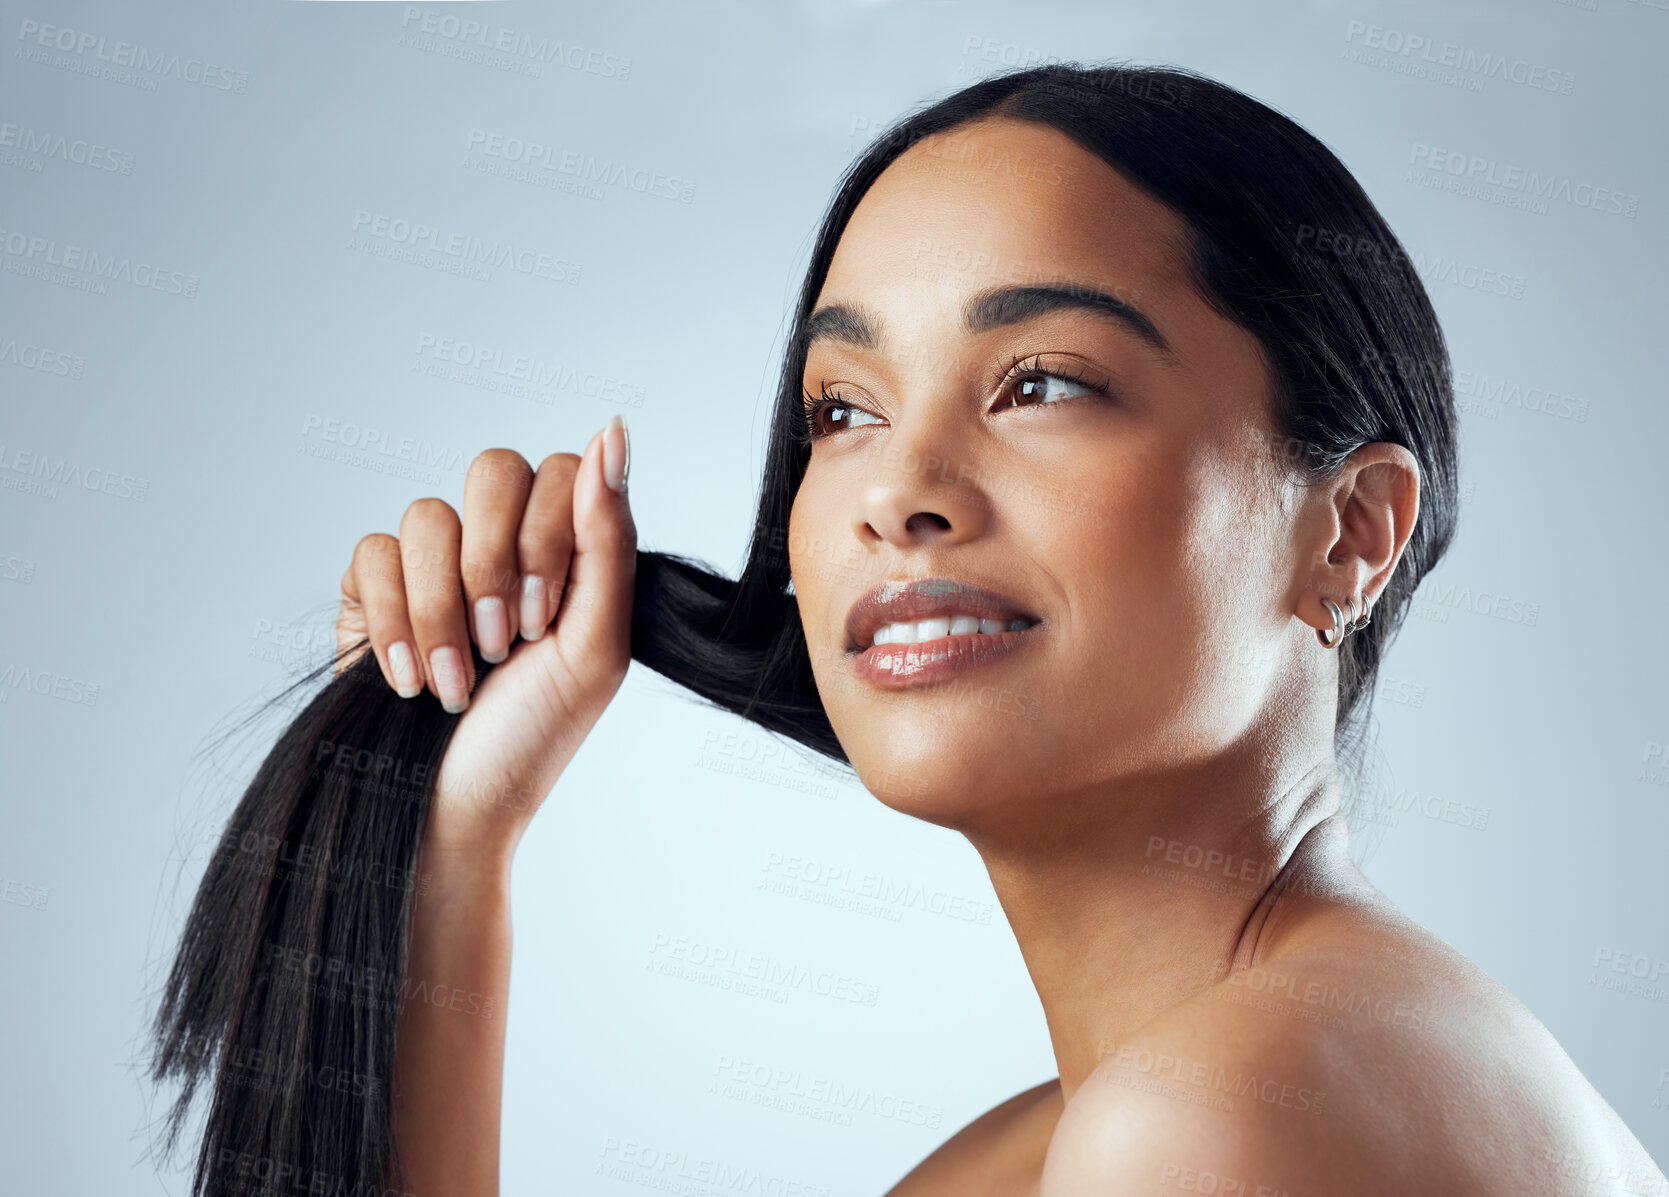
492, 628
447, 665
534, 604
617, 454
403, 665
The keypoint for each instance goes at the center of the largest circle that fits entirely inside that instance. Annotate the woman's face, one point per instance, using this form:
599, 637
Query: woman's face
1133, 521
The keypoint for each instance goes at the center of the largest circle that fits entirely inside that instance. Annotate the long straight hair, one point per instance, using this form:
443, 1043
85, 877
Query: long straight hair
284, 963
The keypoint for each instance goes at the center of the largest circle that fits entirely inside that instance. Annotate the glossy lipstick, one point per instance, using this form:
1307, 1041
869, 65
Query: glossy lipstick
892, 666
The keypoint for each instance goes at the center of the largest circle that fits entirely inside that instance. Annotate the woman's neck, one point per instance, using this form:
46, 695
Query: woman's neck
1128, 899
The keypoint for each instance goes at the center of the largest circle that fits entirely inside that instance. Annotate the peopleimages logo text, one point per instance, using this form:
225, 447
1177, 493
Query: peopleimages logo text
1479, 170
464, 246
127, 54
46, 251
514, 41
1464, 58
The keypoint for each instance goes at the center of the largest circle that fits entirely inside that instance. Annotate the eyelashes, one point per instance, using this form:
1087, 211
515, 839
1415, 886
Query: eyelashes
822, 407
820, 410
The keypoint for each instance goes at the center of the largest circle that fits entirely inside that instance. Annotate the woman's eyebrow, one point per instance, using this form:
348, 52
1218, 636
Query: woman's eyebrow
853, 324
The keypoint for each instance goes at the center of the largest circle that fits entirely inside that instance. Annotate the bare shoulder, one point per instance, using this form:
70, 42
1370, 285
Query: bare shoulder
999, 1153
1362, 1056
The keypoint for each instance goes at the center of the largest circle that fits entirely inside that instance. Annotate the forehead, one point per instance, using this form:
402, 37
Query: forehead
1005, 201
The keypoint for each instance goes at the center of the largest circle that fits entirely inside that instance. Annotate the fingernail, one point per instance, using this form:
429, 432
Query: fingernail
533, 607
447, 665
617, 454
492, 628
403, 665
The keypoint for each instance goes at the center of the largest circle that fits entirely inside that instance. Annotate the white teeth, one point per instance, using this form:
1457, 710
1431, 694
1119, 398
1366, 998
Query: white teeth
944, 625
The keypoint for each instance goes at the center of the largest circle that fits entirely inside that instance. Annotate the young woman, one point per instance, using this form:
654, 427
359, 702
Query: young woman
1115, 434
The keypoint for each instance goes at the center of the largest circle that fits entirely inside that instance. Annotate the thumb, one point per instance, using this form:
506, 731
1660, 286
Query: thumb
594, 622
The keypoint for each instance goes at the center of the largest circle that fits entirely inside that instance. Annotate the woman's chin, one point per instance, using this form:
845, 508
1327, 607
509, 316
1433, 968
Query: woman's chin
948, 787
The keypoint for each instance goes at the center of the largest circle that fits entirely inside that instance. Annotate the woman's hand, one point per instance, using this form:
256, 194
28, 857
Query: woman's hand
560, 543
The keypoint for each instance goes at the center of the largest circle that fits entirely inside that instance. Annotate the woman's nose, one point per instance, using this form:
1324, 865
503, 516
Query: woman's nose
921, 500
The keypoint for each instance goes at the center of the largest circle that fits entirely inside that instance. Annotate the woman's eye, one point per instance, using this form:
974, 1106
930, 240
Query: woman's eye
827, 415
1034, 389
852, 417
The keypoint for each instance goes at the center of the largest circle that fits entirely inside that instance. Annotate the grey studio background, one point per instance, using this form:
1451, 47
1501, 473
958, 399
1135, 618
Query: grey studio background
226, 353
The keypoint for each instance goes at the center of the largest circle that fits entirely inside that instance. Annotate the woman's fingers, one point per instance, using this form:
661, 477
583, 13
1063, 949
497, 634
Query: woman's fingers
530, 547
430, 548
375, 585
595, 619
495, 496
546, 542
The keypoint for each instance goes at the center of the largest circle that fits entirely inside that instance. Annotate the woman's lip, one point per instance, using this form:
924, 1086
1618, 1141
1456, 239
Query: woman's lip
900, 601
897, 666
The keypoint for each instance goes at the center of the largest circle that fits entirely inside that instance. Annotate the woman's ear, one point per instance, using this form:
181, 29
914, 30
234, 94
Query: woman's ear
1366, 515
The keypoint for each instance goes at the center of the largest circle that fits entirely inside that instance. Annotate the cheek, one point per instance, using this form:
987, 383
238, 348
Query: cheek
824, 572
1232, 536
1226, 596
808, 538
806, 590
1147, 570
1131, 557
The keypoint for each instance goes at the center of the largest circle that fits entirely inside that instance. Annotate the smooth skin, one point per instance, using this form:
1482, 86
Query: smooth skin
1270, 1020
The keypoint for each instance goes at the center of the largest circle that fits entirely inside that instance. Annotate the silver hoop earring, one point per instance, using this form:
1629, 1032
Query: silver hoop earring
1338, 628
1357, 625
